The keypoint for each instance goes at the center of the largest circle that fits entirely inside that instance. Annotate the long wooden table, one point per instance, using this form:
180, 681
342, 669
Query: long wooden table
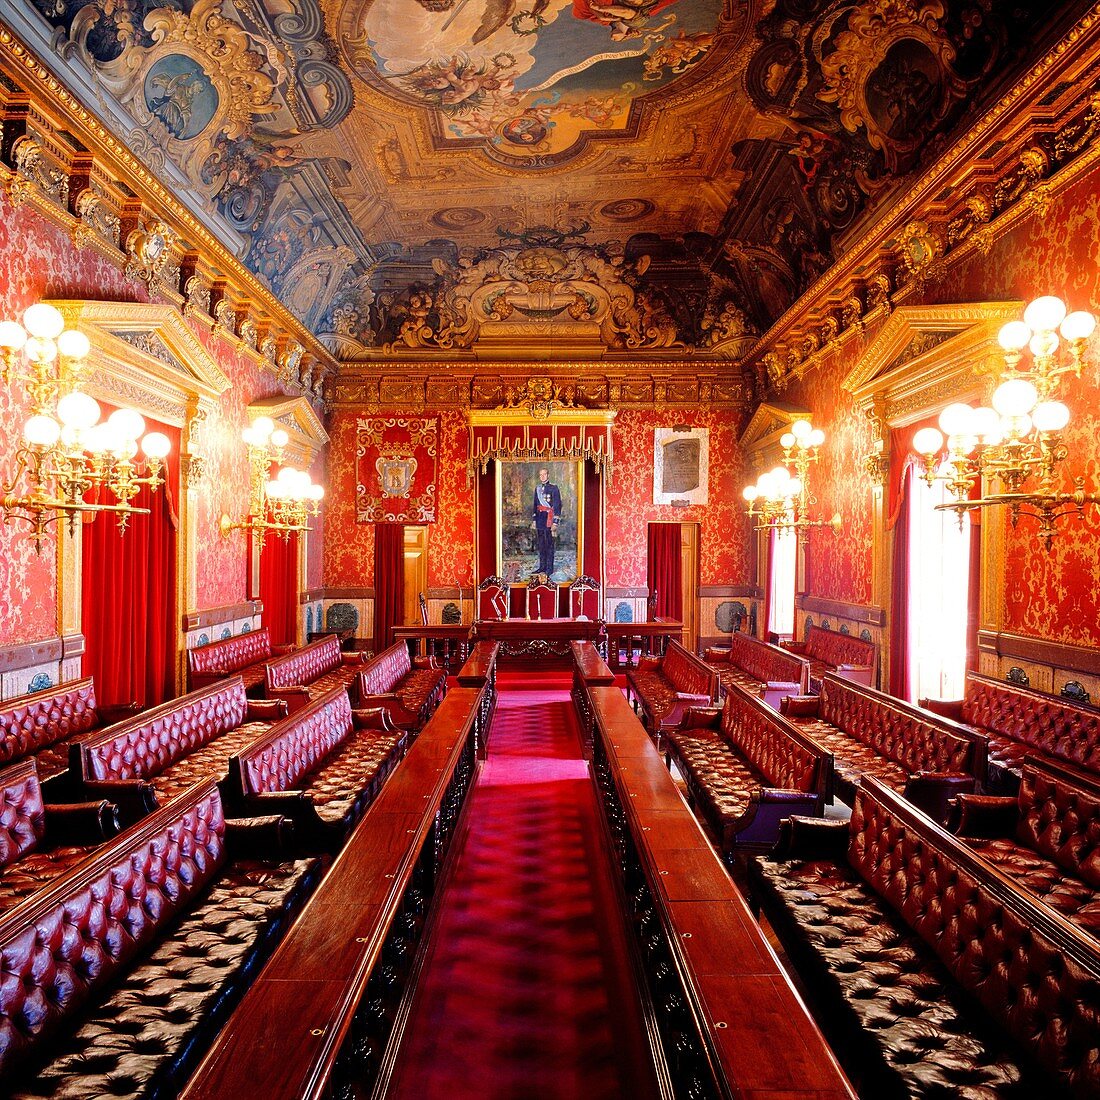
537, 640
330, 990
730, 1021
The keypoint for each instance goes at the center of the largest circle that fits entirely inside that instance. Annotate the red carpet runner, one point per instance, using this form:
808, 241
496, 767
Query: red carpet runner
527, 990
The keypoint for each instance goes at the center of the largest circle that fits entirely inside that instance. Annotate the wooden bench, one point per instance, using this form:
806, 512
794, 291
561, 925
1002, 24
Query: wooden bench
38, 842
44, 724
664, 687
407, 688
746, 769
149, 759
309, 672
321, 767
480, 672
1046, 838
843, 655
589, 671
927, 758
1023, 724
120, 972
759, 668
728, 1020
242, 655
342, 970
933, 973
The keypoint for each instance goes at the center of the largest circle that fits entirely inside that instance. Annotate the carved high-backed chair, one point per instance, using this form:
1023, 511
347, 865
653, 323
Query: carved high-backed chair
542, 597
423, 609
492, 598
584, 598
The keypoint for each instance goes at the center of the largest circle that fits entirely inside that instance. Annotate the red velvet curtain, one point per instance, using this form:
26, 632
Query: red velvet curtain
279, 587
128, 583
664, 569
389, 582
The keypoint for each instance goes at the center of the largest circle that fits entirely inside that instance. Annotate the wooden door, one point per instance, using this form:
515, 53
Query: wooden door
416, 571
689, 582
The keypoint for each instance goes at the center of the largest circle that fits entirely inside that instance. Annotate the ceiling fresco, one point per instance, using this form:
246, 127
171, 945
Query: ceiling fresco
700, 161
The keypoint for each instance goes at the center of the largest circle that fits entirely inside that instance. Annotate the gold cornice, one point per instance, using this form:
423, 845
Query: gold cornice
951, 199
18, 60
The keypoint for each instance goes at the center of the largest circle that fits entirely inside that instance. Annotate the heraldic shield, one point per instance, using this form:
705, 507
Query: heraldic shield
395, 474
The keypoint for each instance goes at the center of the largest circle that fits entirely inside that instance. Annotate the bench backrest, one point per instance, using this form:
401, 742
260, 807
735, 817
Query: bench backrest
768, 662
386, 671
915, 739
22, 817
293, 747
66, 942
31, 722
542, 599
1035, 974
305, 665
686, 672
835, 648
230, 654
786, 758
1060, 819
143, 746
1052, 724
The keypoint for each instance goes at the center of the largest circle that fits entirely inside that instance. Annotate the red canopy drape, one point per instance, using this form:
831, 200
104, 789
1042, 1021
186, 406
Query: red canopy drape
665, 570
128, 584
279, 587
389, 582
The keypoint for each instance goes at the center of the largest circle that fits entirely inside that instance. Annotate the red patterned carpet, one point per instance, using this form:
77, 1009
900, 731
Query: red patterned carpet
527, 990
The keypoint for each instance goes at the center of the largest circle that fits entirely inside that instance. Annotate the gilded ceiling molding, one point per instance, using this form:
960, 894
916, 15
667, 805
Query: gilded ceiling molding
73, 185
962, 202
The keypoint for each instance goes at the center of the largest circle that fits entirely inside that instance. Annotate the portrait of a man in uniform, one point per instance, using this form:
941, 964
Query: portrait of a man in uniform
545, 514
540, 509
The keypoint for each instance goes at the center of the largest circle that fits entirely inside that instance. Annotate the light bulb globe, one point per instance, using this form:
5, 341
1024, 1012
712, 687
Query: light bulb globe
40, 349
43, 320
286, 475
985, 422
156, 445
279, 438
129, 423
78, 410
1014, 336
1079, 325
316, 493
928, 441
12, 335
263, 426
817, 437
794, 487
1015, 397
780, 475
1043, 344
956, 419
1050, 416
750, 493
73, 344
801, 429
1045, 313
786, 440
41, 431
98, 439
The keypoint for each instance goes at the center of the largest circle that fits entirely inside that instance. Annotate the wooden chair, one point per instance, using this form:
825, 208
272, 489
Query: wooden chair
423, 609
492, 598
542, 598
584, 598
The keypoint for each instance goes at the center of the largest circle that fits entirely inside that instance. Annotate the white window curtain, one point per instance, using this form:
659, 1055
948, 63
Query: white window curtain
781, 579
939, 581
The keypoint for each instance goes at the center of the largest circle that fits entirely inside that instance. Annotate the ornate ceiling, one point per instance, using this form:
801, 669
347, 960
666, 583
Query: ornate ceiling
646, 174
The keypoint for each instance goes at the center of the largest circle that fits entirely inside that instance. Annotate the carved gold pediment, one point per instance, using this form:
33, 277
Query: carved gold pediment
760, 439
302, 424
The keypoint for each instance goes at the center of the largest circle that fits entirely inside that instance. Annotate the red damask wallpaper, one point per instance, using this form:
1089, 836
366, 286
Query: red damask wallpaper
629, 508
349, 546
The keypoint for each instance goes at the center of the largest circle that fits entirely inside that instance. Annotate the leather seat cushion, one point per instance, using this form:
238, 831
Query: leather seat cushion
852, 758
1074, 899
346, 783
54, 759
212, 759
341, 677
731, 674
719, 781
148, 1033
879, 983
657, 694
34, 870
421, 688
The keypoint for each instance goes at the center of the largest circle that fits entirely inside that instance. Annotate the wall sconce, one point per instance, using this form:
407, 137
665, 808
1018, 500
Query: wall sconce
1016, 445
782, 500
67, 453
281, 504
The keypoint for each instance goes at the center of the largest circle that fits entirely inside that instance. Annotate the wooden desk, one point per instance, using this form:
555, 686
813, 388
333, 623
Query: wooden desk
448, 643
651, 637
537, 640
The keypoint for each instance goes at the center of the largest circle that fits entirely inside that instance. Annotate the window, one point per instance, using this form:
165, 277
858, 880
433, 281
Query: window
939, 582
781, 580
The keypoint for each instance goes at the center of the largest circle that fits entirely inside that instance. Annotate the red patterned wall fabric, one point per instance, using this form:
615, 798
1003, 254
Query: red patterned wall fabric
395, 464
724, 532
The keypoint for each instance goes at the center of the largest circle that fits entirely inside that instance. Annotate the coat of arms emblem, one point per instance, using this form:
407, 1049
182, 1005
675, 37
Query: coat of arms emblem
395, 474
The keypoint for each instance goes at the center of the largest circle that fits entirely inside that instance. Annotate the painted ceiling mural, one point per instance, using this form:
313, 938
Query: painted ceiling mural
686, 167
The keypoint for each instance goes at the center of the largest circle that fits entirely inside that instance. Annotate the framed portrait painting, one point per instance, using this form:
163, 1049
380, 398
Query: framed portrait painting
540, 510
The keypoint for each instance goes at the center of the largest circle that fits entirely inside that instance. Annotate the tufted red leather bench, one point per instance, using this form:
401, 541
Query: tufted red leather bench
928, 758
242, 655
932, 973
38, 842
44, 724
1046, 838
120, 972
747, 768
664, 687
311, 672
321, 767
147, 760
759, 668
842, 654
407, 688
1021, 724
